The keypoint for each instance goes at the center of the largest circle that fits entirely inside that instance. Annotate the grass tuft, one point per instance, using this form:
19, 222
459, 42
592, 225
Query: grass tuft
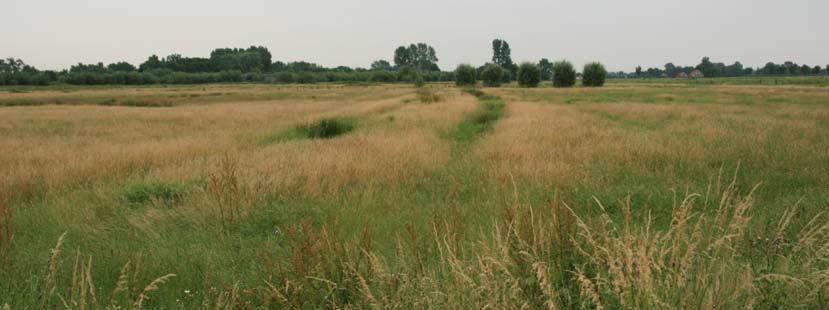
426, 95
144, 192
327, 128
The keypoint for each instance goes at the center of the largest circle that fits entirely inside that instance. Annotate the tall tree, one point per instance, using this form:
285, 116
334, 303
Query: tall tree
638, 71
12, 65
708, 68
421, 56
381, 65
805, 70
546, 68
502, 55
152, 63
671, 70
402, 57
122, 66
254, 58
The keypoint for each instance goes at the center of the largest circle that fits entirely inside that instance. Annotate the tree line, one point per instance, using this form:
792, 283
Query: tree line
503, 70
253, 64
712, 69
410, 63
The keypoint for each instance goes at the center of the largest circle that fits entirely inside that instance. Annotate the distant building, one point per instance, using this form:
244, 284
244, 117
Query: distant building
682, 75
696, 74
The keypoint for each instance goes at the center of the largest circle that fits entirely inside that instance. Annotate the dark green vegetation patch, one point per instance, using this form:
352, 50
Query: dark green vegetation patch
327, 128
140, 192
321, 129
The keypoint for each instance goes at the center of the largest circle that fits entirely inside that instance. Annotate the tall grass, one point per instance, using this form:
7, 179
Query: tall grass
396, 217
533, 256
79, 291
549, 257
6, 227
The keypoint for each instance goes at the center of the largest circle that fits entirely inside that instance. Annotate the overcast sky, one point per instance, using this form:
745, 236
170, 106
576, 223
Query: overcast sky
53, 34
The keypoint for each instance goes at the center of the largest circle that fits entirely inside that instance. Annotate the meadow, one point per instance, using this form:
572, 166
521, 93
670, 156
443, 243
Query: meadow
639, 194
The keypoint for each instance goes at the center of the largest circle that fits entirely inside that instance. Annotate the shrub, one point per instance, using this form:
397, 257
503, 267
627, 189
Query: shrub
528, 75
284, 78
406, 74
326, 128
563, 74
230, 76
143, 192
465, 75
382, 76
593, 75
492, 75
305, 78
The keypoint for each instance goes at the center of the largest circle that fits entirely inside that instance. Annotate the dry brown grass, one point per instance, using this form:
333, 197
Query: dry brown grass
58, 146
557, 144
360, 220
398, 148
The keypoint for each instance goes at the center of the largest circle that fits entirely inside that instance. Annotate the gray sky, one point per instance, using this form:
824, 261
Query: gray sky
53, 34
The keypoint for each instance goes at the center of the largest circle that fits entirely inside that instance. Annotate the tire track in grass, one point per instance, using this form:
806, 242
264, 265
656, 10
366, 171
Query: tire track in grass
457, 180
482, 121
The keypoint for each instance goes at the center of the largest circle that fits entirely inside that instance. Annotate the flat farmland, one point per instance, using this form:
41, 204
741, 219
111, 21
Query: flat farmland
393, 196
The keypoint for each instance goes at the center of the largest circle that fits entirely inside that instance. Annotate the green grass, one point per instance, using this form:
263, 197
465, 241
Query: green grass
481, 121
145, 192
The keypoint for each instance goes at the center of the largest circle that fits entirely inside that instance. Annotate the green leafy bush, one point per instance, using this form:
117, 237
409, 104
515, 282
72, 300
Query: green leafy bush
305, 78
406, 74
382, 76
593, 75
492, 75
326, 128
284, 78
528, 75
465, 75
563, 74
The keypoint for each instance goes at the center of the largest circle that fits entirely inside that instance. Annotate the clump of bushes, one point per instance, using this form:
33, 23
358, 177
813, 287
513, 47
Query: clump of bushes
144, 192
465, 75
326, 128
382, 76
594, 75
492, 75
284, 78
528, 75
305, 78
563, 74
406, 74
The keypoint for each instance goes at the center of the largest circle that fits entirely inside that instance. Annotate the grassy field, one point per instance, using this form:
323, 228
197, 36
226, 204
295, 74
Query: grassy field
637, 195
